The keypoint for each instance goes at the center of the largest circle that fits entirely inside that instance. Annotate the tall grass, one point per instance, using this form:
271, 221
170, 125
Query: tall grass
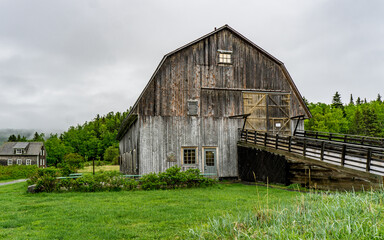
347, 215
16, 171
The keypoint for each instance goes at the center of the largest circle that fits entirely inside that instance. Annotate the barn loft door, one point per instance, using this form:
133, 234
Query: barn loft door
269, 112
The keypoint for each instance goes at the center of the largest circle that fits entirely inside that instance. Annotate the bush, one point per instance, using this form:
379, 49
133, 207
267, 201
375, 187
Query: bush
17, 171
151, 181
46, 180
73, 161
111, 154
174, 178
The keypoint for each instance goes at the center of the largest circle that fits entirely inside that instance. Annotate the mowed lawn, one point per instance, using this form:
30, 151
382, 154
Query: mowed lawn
159, 214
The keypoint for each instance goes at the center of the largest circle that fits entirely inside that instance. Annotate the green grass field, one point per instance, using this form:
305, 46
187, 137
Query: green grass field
225, 211
161, 214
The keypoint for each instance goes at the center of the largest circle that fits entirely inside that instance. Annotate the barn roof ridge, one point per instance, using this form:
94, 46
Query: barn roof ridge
226, 26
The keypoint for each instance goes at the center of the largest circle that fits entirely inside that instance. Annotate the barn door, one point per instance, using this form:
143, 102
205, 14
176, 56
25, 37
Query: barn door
270, 112
210, 161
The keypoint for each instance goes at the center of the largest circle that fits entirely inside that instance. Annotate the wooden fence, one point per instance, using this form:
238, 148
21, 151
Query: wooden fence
353, 155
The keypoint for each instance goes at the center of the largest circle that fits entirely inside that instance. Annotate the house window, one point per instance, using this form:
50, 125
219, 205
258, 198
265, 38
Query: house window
189, 156
28, 162
225, 56
10, 162
19, 162
19, 151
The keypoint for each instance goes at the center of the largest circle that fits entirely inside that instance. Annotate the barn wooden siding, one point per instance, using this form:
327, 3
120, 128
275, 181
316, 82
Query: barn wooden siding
129, 149
193, 73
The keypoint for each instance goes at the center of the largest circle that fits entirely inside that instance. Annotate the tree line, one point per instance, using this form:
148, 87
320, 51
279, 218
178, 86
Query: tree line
358, 117
94, 140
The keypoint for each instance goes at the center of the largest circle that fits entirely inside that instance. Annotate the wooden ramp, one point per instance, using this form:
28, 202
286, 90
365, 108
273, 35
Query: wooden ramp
315, 163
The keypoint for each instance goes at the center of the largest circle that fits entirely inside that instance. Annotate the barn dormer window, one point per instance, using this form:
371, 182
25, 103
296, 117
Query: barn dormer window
225, 56
19, 151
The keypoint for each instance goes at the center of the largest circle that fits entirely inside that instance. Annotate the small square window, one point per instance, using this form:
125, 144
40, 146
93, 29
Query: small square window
189, 156
28, 162
10, 162
193, 107
19, 151
225, 58
19, 161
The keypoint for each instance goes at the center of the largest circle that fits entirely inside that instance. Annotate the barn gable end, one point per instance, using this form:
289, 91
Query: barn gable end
190, 98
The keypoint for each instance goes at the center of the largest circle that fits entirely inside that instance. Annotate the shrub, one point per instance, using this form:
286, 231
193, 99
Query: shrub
17, 171
45, 179
73, 161
151, 181
173, 178
111, 154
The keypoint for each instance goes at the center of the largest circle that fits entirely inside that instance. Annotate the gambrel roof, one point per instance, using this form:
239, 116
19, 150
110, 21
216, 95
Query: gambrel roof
225, 27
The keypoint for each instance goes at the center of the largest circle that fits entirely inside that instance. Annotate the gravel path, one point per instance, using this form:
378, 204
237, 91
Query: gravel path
14, 181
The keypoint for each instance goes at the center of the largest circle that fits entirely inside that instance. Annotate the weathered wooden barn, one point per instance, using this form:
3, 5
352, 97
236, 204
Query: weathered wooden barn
199, 96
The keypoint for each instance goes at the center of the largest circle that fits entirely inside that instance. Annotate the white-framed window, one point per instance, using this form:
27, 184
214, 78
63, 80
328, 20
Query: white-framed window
10, 162
28, 162
19, 161
19, 151
189, 155
225, 56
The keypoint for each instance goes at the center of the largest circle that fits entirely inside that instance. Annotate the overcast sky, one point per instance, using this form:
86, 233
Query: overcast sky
63, 62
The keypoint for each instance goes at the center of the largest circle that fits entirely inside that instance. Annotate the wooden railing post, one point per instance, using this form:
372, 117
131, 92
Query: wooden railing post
304, 147
265, 139
289, 143
246, 135
322, 151
317, 135
277, 141
343, 155
369, 158
330, 137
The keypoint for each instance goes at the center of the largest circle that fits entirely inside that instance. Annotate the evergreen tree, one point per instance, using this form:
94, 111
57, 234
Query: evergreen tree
357, 126
12, 138
336, 101
38, 137
370, 122
358, 101
378, 99
351, 100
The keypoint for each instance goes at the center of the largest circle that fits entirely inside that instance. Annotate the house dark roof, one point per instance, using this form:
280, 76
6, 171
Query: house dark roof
33, 148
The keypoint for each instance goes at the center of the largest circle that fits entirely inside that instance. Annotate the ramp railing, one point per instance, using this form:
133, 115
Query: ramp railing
347, 154
339, 137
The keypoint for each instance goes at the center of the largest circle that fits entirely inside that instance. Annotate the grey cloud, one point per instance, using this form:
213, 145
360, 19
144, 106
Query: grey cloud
69, 60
